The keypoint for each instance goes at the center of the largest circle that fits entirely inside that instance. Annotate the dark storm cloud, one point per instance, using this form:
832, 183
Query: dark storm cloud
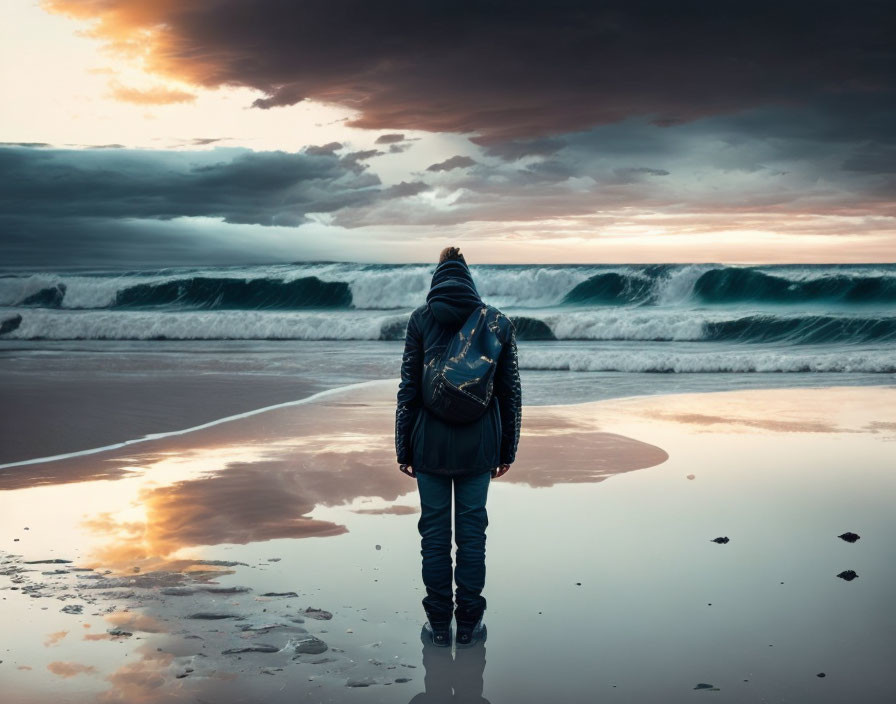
400, 190
58, 201
389, 138
362, 155
455, 162
510, 69
875, 158
633, 174
513, 150
723, 166
324, 149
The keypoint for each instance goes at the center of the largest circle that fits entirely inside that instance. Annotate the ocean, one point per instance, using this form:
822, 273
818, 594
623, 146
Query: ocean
585, 331
176, 435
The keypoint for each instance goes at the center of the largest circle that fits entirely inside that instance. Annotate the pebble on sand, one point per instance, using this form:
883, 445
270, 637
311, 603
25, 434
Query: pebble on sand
255, 648
707, 687
310, 646
849, 537
211, 615
227, 590
848, 575
820, 674
720, 540
318, 614
364, 682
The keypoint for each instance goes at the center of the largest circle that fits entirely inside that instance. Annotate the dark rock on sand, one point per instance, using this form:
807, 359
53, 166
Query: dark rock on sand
227, 590
254, 648
707, 687
212, 615
310, 646
848, 575
72, 609
318, 614
849, 537
55, 561
221, 563
287, 594
364, 682
720, 541
820, 674
118, 632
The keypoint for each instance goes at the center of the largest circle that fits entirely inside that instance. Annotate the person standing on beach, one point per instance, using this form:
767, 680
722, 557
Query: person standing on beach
463, 458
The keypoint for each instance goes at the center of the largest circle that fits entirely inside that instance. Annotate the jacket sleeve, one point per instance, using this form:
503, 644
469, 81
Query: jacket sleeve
410, 398
510, 400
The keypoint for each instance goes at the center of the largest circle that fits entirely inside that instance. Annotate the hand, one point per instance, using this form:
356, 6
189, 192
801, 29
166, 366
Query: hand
407, 469
501, 471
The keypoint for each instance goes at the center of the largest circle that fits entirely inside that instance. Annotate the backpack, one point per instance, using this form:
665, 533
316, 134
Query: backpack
458, 381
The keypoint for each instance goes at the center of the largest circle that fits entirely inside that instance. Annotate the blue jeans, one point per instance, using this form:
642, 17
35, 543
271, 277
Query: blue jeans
470, 521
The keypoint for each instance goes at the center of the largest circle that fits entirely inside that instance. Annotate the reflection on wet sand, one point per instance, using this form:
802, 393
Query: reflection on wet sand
260, 478
320, 471
456, 678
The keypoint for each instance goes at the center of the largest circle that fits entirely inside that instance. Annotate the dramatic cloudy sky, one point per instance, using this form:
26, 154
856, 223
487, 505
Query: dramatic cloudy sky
159, 132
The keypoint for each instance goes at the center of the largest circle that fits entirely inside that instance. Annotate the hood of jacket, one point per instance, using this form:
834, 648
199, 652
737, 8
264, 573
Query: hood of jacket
452, 294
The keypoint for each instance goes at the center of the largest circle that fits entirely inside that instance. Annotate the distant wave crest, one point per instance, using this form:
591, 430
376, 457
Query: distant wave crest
390, 287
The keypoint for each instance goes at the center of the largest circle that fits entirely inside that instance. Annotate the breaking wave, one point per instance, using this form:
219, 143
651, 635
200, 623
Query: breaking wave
593, 324
379, 286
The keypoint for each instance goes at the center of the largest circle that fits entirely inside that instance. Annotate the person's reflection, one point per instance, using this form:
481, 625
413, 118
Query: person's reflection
452, 679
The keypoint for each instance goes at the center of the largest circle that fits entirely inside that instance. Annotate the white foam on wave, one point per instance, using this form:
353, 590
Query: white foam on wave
406, 287
201, 325
628, 324
717, 361
677, 286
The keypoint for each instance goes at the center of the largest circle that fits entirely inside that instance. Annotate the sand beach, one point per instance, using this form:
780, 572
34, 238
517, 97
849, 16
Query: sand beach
274, 557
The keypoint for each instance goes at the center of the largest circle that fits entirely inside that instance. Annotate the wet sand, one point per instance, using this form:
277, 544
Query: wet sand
275, 557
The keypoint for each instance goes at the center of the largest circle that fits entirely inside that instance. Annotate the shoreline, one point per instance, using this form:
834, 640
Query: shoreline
374, 383
171, 433
235, 392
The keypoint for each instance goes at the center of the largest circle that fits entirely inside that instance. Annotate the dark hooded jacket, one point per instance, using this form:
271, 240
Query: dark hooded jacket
422, 439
